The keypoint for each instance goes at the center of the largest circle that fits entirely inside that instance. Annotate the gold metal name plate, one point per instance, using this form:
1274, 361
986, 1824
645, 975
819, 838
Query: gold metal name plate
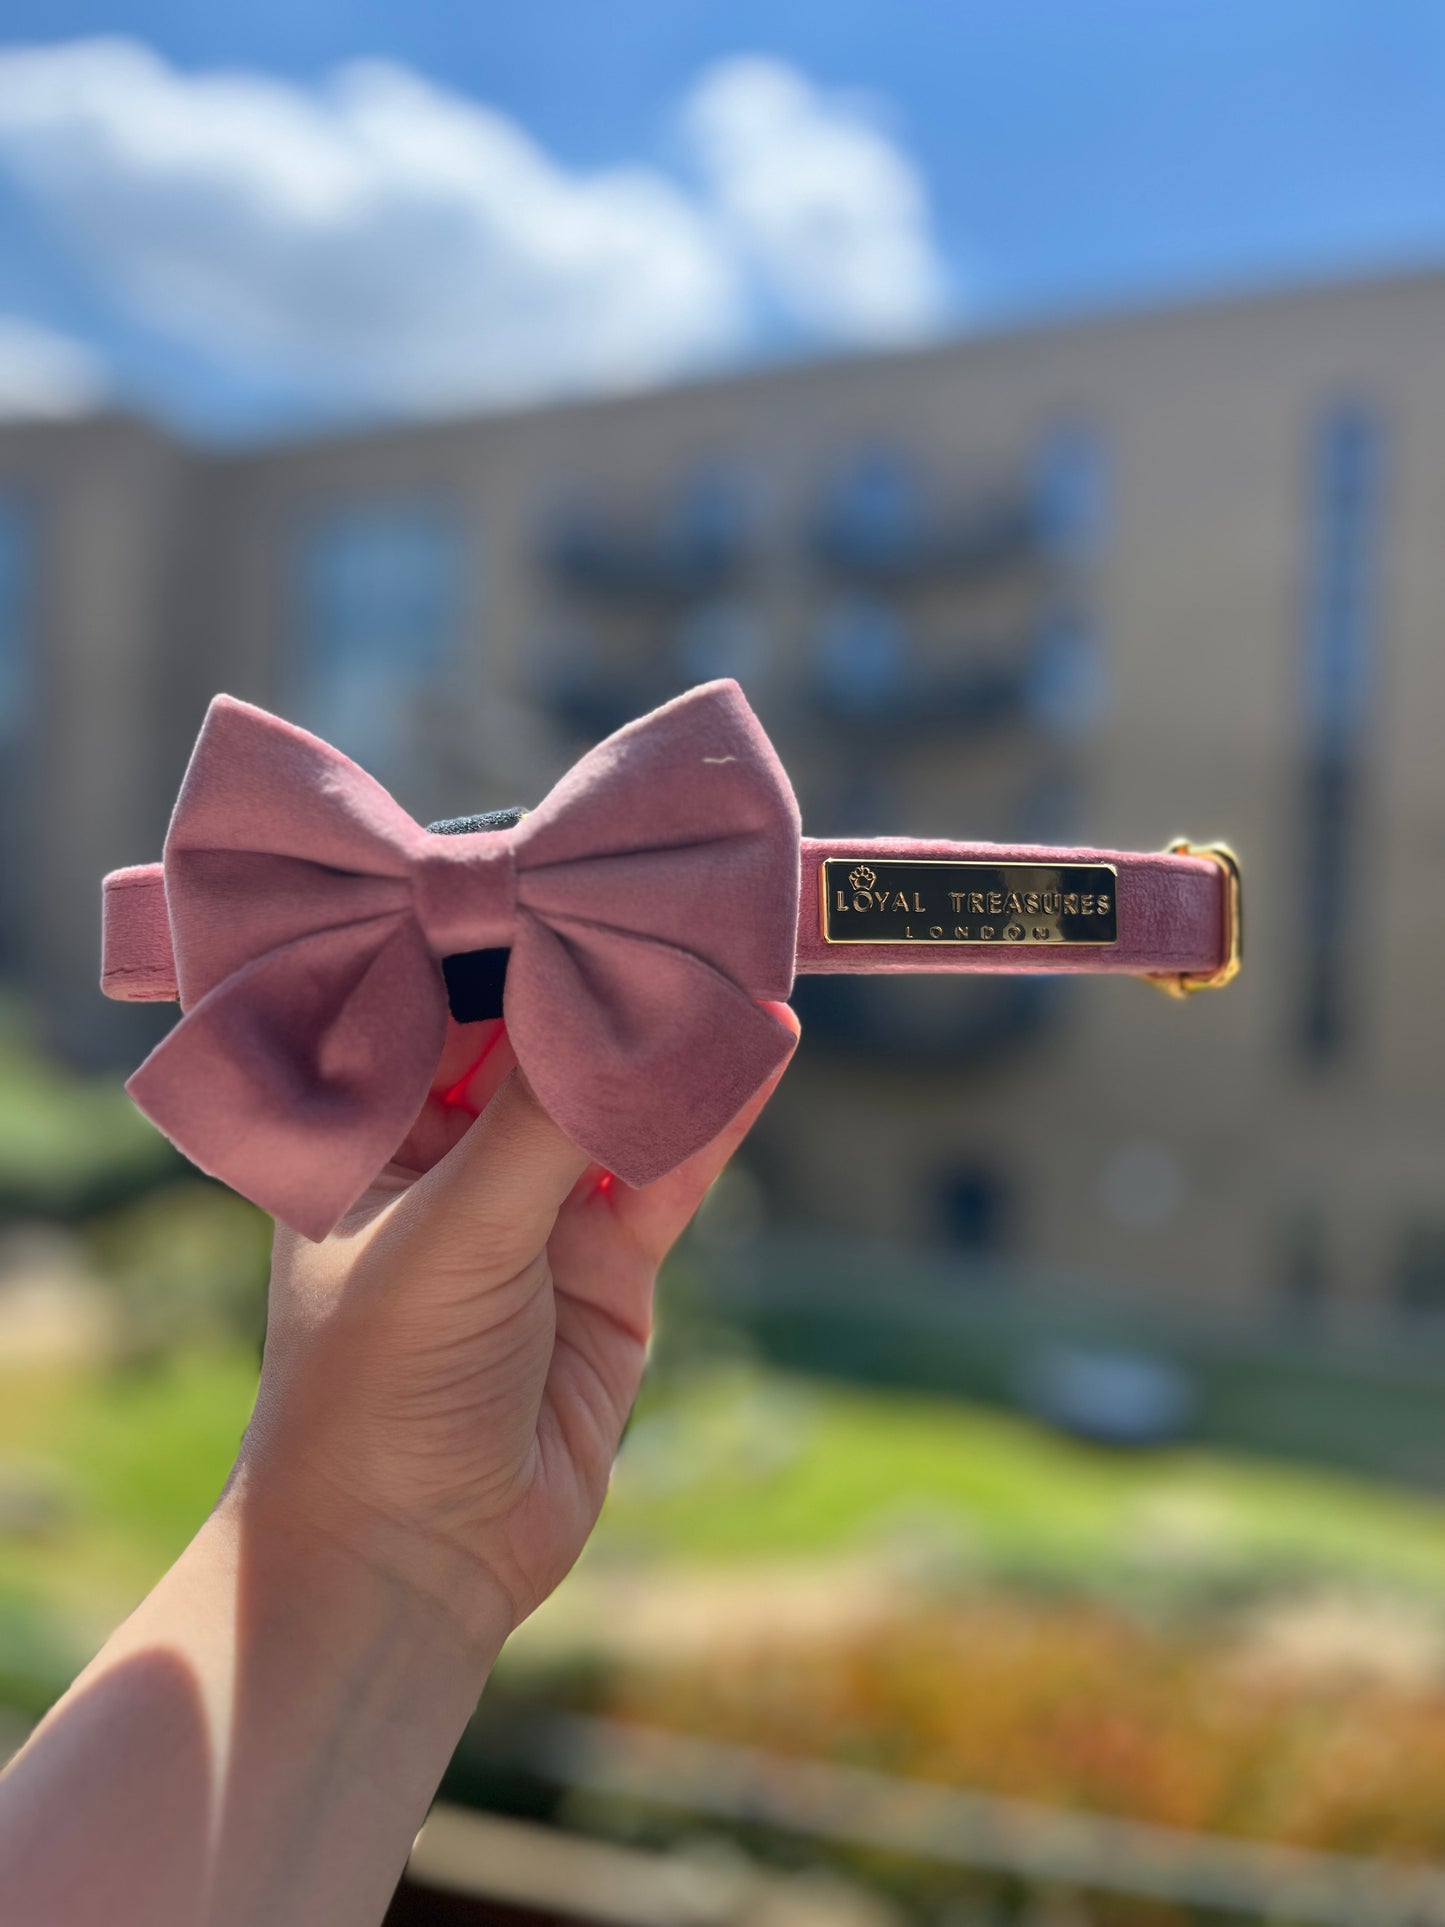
939, 902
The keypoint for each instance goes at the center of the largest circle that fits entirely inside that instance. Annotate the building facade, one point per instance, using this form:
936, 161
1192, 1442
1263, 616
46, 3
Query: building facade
1170, 573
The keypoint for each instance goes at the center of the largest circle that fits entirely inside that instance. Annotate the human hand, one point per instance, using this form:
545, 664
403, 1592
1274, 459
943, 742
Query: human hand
447, 1376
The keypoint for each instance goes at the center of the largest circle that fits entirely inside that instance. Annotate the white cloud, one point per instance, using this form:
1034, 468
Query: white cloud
390, 241
45, 374
832, 214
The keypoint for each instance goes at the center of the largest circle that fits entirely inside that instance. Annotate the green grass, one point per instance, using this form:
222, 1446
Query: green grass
133, 1463
742, 1465
67, 1143
151, 1450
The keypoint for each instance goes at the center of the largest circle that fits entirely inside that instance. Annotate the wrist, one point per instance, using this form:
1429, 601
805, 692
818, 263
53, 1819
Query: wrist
293, 1689
313, 1547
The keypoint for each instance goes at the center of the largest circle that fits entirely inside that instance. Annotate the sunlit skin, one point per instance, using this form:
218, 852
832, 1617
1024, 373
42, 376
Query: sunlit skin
445, 1383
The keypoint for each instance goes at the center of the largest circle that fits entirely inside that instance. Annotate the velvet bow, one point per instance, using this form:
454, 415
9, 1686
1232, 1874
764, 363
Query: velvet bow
649, 902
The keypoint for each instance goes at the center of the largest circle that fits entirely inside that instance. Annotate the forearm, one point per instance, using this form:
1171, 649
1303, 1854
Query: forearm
443, 1392
259, 1741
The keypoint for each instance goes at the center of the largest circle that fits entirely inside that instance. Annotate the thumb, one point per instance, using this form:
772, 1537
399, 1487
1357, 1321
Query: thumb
491, 1202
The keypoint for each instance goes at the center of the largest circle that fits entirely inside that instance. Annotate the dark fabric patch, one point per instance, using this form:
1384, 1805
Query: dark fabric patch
475, 979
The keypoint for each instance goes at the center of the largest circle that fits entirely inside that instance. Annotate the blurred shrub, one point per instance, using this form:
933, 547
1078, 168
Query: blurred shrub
69, 1145
189, 1264
37, 1662
1079, 1707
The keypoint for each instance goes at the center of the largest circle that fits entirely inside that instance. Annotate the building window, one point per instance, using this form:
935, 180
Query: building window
1070, 488
972, 1208
1420, 1272
695, 540
381, 595
1068, 688
16, 692
862, 654
1066, 692
873, 513
708, 526
1341, 608
576, 544
719, 638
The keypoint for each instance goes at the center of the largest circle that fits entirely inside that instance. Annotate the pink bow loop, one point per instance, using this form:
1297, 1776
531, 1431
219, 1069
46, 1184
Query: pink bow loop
649, 903
275, 835
296, 1078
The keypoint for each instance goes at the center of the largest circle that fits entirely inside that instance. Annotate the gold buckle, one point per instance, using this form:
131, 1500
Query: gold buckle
1184, 983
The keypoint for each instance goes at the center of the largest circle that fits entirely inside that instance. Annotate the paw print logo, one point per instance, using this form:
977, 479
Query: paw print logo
862, 878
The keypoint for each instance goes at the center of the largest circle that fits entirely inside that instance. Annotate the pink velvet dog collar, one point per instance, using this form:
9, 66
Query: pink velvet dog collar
649, 903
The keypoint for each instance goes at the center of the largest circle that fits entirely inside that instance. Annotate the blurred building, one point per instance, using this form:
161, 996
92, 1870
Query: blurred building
1176, 572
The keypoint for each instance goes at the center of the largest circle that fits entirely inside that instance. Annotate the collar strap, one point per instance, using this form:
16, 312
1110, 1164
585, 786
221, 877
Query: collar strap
874, 905
904, 904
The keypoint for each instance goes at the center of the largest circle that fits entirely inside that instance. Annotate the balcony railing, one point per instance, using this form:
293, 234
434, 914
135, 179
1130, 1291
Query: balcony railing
973, 696
590, 703
699, 548
995, 535
977, 695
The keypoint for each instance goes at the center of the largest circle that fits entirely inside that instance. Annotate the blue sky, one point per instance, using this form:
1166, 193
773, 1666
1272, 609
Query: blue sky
250, 219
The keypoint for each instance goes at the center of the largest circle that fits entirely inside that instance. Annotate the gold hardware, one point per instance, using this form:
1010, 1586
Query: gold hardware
1184, 983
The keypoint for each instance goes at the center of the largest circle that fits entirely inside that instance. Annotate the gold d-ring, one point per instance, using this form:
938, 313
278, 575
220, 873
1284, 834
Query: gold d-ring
1184, 983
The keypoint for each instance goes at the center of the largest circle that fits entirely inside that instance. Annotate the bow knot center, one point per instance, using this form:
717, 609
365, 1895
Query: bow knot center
465, 891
